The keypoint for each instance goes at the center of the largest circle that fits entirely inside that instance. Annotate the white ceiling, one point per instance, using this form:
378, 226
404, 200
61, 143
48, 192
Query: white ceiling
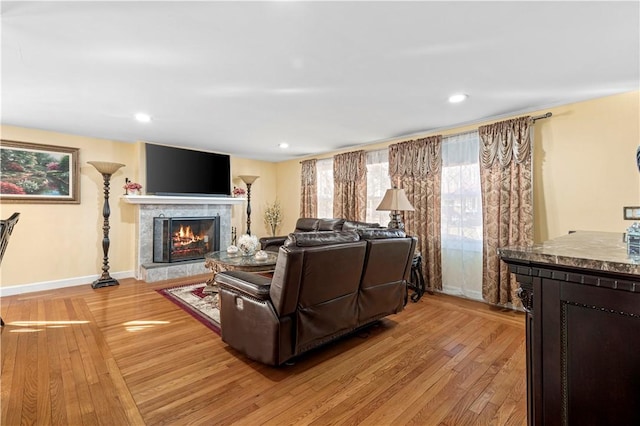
241, 77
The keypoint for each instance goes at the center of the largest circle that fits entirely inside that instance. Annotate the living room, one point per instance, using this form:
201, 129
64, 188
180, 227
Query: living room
577, 188
443, 360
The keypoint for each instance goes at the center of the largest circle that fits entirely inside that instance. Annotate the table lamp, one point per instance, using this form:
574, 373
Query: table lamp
395, 201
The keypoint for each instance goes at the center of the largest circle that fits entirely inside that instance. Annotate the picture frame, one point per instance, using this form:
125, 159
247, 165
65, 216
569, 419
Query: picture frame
37, 173
631, 213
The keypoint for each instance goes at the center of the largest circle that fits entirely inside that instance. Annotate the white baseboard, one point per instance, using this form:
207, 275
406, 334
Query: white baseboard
52, 285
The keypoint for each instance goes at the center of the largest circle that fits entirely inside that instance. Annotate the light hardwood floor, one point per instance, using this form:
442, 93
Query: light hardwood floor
127, 356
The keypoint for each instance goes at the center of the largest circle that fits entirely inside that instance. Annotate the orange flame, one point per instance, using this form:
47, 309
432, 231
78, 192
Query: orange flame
185, 236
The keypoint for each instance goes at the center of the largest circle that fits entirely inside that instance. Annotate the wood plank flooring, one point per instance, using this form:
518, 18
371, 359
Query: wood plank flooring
125, 355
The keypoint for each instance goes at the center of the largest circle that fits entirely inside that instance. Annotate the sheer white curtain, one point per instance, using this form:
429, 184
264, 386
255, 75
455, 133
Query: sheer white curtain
324, 176
378, 182
461, 216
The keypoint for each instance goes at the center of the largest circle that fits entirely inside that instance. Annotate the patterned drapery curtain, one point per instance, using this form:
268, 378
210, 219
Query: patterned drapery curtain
350, 185
507, 202
308, 189
416, 166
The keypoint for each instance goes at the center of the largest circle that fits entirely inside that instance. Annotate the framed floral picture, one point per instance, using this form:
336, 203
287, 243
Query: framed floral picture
35, 173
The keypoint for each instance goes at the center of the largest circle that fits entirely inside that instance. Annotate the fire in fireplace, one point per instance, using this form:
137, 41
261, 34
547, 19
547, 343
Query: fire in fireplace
176, 239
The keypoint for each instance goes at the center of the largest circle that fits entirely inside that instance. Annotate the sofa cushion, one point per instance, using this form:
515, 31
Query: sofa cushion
349, 225
330, 224
320, 238
380, 233
307, 224
247, 282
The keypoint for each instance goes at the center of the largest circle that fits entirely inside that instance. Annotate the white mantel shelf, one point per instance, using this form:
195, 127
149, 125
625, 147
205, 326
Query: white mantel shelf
162, 199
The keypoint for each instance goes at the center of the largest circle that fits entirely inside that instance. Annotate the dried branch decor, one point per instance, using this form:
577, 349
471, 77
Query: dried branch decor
273, 216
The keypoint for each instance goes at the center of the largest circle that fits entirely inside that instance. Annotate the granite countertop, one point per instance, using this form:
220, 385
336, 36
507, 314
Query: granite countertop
603, 251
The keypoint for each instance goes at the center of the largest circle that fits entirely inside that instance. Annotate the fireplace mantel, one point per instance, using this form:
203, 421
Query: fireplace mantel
167, 199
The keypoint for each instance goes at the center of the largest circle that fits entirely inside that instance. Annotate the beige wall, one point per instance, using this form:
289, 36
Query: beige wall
263, 192
63, 241
584, 167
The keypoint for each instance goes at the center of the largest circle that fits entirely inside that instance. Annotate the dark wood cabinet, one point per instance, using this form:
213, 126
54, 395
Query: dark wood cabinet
583, 343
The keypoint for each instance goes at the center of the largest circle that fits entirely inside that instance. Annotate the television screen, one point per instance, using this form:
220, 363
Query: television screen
179, 171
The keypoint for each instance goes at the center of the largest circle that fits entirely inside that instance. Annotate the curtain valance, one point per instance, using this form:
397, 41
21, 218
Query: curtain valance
506, 140
416, 158
349, 167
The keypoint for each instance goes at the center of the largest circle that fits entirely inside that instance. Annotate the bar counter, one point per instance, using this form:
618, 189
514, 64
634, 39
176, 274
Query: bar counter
602, 251
582, 297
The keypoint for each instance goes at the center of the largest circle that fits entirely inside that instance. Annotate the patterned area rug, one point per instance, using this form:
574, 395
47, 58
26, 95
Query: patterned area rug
202, 306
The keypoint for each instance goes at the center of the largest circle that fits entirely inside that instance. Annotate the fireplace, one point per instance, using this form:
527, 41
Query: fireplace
177, 239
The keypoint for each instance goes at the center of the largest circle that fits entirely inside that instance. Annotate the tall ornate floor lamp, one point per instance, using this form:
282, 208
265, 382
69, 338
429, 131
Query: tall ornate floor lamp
106, 169
248, 180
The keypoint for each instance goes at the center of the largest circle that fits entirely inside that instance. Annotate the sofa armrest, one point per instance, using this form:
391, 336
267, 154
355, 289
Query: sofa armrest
272, 241
253, 285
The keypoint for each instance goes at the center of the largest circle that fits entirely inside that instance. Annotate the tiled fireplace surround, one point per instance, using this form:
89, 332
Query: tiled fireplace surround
154, 206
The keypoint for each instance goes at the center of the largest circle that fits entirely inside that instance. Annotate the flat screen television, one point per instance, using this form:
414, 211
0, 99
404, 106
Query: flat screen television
186, 172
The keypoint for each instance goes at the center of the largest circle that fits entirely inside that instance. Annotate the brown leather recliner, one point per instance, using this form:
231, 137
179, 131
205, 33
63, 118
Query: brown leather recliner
309, 224
325, 285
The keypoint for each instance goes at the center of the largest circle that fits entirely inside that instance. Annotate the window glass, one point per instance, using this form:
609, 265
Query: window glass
378, 182
461, 216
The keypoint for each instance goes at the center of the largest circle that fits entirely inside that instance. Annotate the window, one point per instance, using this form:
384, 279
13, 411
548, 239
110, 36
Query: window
324, 177
378, 182
461, 216
461, 207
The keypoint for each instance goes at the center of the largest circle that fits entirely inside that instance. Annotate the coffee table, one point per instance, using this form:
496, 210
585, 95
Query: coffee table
218, 261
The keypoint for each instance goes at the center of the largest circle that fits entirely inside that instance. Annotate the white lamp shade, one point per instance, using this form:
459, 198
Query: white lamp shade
106, 167
248, 179
395, 199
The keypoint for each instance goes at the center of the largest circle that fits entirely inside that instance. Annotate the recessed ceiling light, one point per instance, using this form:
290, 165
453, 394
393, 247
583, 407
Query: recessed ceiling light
458, 97
143, 118
283, 145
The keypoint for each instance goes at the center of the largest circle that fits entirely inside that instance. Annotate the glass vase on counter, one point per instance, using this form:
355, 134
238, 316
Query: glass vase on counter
633, 241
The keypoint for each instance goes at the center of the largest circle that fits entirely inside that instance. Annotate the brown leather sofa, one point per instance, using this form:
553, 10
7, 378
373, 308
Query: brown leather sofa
307, 224
325, 285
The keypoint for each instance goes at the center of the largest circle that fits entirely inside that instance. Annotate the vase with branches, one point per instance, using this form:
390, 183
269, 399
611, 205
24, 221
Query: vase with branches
273, 216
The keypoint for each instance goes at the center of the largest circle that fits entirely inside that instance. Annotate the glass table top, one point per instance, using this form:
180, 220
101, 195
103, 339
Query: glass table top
237, 259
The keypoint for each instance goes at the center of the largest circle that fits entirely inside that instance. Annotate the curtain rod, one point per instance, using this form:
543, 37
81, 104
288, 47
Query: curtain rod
540, 117
537, 117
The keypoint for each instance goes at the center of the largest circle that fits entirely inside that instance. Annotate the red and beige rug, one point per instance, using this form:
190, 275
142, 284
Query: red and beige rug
191, 298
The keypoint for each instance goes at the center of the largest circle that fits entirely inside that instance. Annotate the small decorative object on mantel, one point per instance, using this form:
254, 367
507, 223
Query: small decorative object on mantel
633, 241
131, 188
273, 216
261, 255
232, 249
238, 192
248, 244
